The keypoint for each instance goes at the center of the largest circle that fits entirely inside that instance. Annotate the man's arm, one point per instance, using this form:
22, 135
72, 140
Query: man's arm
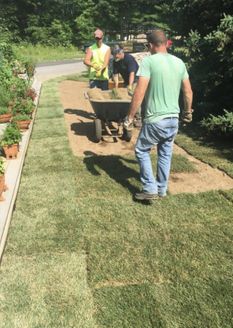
131, 78
187, 95
116, 80
106, 59
87, 59
138, 96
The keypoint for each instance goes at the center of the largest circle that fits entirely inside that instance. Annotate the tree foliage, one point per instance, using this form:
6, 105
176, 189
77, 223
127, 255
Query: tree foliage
204, 29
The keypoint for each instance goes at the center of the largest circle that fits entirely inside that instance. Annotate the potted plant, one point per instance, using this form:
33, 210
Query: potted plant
5, 115
3, 186
10, 140
24, 106
22, 120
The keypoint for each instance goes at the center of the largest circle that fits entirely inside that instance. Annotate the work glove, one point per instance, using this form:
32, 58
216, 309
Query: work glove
128, 123
187, 117
130, 90
97, 67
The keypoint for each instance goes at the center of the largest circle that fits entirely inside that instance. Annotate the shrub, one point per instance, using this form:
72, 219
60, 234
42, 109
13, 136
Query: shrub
30, 67
221, 125
11, 135
6, 51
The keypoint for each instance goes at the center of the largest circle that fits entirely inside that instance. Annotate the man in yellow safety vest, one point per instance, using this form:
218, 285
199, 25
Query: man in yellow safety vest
97, 59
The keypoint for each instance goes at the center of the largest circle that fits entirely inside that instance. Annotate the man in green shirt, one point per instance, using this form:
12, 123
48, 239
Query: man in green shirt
161, 76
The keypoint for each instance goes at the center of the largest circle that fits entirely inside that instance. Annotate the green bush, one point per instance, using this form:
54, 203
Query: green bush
221, 125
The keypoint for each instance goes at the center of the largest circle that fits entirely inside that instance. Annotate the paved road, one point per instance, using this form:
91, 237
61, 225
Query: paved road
48, 71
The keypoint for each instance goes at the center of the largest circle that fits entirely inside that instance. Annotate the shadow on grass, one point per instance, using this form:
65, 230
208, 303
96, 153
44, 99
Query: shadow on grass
222, 146
115, 166
80, 112
84, 129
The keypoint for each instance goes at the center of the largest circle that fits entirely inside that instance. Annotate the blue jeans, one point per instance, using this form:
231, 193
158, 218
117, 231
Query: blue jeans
101, 84
162, 134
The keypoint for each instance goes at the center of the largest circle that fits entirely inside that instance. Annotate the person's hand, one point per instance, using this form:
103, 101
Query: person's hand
128, 123
187, 116
97, 67
130, 90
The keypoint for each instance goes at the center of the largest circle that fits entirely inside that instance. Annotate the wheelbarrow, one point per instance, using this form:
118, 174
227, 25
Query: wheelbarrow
108, 111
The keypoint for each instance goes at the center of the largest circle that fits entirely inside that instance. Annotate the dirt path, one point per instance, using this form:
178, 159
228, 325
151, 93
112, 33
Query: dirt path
79, 121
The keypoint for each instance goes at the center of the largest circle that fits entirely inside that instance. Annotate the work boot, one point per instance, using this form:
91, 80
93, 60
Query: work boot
145, 196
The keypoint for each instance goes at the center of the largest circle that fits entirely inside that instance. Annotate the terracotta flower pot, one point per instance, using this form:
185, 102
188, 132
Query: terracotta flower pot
5, 118
11, 151
3, 186
23, 125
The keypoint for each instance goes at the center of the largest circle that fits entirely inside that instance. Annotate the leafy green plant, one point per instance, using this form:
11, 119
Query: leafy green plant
5, 96
21, 117
4, 110
221, 125
11, 135
23, 106
30, 68
2, 166
19, 87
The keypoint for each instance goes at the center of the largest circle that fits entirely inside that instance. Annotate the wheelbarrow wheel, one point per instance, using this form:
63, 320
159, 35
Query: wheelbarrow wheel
127, 135
98, 129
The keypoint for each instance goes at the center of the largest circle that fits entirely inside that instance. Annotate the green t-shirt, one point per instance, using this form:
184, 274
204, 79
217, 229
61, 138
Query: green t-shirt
166, 73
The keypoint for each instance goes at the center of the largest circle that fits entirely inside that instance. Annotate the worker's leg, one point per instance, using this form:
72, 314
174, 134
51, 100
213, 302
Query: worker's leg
93, 84
103, 85
145, 142
164, 151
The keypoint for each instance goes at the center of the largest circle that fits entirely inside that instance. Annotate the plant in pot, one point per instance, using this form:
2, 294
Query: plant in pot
22, 120
24, 106
10, 140
3, 186
5, 115
6, 97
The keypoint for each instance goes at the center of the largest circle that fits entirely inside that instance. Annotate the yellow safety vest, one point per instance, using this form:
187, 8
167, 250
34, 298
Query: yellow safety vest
98, 55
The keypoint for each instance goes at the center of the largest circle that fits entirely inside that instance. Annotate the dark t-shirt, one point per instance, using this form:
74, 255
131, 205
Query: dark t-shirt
125, 66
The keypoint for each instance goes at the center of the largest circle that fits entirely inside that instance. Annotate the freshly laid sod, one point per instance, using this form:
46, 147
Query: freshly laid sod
217, 153
81, 253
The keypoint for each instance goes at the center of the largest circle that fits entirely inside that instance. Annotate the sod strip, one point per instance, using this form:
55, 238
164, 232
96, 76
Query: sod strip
43, 272
82, 253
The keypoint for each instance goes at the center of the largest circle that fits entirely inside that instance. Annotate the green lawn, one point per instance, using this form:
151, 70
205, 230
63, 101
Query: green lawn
215, 152
81, 253
40, 53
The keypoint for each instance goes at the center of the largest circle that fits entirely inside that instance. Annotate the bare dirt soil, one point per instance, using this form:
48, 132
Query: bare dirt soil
79, 121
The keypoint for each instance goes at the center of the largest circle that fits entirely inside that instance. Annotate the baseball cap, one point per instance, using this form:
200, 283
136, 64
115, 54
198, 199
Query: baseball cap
98, 33
116, 50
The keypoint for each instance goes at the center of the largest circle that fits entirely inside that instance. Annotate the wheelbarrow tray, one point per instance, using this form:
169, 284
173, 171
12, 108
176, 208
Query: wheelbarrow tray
114, 110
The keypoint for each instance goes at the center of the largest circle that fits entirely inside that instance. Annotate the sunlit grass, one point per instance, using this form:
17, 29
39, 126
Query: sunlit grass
81, 253
40, 53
